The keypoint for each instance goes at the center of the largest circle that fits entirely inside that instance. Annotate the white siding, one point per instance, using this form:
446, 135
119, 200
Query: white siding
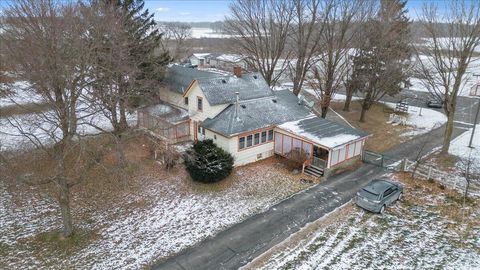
250, 155
334, 160
351, 150
208, 111
341, 154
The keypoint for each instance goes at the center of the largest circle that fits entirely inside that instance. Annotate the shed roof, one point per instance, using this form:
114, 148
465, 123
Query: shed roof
257, 113
322, 131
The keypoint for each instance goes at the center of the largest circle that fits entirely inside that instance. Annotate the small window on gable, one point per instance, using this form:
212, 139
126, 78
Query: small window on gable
215, 136
199, 104
185, 100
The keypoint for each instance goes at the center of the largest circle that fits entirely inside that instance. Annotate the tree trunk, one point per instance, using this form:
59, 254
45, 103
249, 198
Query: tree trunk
362, 114
64, 201
120, 153
346, 106
123, 117
448, 132
324, 111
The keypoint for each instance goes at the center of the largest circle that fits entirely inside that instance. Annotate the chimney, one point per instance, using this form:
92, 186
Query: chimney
236, 103
237, 71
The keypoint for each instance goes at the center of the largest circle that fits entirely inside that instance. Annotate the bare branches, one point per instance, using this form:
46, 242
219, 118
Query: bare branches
442, 61
260, 30
175, 34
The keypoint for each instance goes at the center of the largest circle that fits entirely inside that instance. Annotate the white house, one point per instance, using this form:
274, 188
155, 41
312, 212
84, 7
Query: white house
242, 115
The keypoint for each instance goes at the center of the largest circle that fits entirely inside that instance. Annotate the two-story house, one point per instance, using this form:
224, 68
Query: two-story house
241, 114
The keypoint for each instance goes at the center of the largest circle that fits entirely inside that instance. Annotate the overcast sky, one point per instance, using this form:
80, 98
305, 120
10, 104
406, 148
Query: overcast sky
215, 10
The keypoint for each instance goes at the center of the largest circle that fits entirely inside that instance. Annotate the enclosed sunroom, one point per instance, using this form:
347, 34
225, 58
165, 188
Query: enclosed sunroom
327, 144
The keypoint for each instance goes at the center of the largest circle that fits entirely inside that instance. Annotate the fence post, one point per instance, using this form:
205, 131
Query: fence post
404, 167
429, 172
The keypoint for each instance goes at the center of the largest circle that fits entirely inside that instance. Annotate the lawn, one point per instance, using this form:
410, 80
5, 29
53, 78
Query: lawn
156, 213
386, 136
423, 231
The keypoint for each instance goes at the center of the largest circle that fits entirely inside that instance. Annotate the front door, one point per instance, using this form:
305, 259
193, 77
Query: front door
320, 157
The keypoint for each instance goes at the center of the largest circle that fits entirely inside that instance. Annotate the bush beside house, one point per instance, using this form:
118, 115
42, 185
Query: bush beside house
208, 163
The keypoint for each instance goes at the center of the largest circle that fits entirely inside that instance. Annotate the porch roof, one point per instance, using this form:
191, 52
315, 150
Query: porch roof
167, 112
323, 132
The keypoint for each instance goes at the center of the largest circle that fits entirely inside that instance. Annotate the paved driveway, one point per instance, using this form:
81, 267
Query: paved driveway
238, 245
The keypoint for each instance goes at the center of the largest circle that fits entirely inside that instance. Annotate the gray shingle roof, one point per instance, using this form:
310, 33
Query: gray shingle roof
257, 113
221, 89
178, 78
218, 88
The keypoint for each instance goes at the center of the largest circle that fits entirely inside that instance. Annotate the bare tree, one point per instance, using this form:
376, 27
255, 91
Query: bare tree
175, 35
443, 60
310, 18
260, 30
339, 30
44, 44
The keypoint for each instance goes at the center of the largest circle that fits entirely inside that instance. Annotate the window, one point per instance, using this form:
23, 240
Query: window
241, 142
199, 104
264, 136
270, 135
387, 192
199, 129
249, 140
185, 100
256, 138
215, 136
203, 131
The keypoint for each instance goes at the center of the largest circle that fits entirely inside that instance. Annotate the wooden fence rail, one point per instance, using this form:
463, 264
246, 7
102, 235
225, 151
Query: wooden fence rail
429, 172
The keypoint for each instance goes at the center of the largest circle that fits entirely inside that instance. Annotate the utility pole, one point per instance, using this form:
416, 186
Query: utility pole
476, 115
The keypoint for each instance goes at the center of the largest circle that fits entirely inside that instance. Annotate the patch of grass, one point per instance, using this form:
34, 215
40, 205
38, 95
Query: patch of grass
56, 241
384, 136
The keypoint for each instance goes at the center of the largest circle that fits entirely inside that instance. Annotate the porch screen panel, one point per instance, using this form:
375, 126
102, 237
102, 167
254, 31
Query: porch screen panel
341, 154
297, 144
183, 129
278, 142
334, 157
358, 148
307, 147
287, 144
351, 150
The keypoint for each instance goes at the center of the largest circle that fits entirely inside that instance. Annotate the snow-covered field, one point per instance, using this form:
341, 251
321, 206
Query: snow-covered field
421, 232
198, 32
19, 95
459, 147
129, 231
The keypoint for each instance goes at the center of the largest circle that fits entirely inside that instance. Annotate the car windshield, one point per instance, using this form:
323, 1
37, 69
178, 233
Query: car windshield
369, 195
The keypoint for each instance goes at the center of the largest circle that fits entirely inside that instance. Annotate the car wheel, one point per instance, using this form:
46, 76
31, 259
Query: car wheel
400, 196
382, 210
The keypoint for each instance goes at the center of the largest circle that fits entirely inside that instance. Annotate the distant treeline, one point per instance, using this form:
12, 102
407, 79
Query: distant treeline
215, 26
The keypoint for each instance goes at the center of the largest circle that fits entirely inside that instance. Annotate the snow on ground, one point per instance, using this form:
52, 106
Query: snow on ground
422, 120
459, 147
19, 95
167, 214
417, 233
469, 80
39, 126
198, 32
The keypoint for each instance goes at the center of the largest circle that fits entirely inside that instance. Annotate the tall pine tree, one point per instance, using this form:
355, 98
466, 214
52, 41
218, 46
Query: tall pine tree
151, 66
381, 62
